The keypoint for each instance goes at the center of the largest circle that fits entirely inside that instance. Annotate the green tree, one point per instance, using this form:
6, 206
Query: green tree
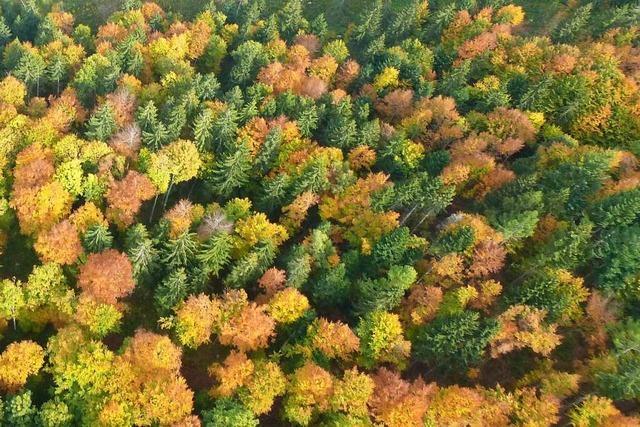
102, 124
231, 172
384, 293
227, 413
454, 342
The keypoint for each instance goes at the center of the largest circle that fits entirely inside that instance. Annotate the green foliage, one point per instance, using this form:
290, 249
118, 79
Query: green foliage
344, 213
102, 124
97, 238
454, 342
621, 380
385, 293
228, 413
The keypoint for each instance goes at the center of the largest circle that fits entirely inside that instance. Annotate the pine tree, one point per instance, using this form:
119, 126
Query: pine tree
97, 238
154, 132
250, 267
181, 251
231, 172
141, 250
102, 124
172, 290
385, 293
215, 253
454, 342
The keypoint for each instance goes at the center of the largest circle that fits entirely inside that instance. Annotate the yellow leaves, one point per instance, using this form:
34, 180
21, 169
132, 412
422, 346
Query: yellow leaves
175, 48
267, 382
333, 339
195, 320
324, 67
523, 326
594, 411
577, 294
388, 77
19, 361
352, 392
288, 305
176, 162
86, 216
12, 92
309, 390
257, 228
510, 14
38, 209
233, 373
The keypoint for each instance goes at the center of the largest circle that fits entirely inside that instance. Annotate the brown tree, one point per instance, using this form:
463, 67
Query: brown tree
107, 276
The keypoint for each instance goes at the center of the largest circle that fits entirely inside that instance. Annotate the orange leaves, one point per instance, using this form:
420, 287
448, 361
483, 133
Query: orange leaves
107, 276
232, 374
272, 281
396, 105
422, 304
351, 210
488, 258
399, 403
126, 196
361, 157
334, 339
152, 355
457, 405
523, 326
601, 312
39, 202
249, 330
60, 244
17, 362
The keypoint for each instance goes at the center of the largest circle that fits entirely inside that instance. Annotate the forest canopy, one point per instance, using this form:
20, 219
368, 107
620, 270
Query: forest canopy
331, 213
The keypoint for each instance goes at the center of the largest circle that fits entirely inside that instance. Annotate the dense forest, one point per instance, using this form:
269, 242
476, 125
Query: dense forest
326, 213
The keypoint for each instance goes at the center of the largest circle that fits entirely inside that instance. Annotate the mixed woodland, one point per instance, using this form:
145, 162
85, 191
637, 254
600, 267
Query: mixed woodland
327, 213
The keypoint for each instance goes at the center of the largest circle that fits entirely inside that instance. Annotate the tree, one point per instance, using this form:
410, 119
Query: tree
54, 413
195, 320
100, 319
308, 394
382, 340
231, 172
102, 124
557, 292
97, 238
107, 276
19, 361
172, 290
522, 326
385, 293
248, 58
454, 342
334, 339
125, 197
12, 299
60, 244
229, 412
288, 305
396, 402
618, 378
250, 329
